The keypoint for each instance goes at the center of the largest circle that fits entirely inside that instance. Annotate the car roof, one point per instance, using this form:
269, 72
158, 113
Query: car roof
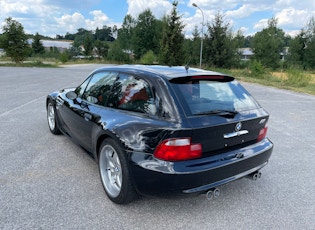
168, 72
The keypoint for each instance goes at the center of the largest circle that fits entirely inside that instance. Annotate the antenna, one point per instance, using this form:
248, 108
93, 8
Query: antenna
187, 66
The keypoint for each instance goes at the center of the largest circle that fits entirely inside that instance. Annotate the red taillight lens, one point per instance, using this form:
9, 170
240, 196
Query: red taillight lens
177, 149
262, 134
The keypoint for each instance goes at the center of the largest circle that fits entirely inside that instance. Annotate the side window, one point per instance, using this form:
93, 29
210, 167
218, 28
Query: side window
99, 87
130, 93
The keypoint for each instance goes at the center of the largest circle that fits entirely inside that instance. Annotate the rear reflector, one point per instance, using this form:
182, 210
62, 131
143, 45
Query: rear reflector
178, 149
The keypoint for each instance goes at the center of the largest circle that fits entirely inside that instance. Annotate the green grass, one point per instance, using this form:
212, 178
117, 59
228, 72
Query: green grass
294, 79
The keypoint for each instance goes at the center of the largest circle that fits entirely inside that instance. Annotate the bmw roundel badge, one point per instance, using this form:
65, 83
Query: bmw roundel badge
238, 126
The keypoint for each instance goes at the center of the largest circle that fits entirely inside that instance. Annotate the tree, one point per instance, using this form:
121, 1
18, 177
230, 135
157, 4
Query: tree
104, 34
14, 40
239, 42
220, 50
117, 54
81, 35
248, 40
88, 44
310, 44
126, 32
268, 44
296, 55
37, 45
192, 48
146, 35
69, 36
74, 51
172, 39
101, 48
239, 39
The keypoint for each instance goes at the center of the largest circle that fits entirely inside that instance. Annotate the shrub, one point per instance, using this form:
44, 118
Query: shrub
148, 58
257, 69
298, 78
64, 57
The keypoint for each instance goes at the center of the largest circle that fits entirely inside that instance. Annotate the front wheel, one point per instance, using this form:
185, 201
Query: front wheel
51, 118
115, 173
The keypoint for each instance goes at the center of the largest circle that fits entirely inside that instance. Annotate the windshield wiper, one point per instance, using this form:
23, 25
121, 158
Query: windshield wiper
219, 112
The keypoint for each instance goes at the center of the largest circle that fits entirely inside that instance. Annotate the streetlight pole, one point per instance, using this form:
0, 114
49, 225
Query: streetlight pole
201, 39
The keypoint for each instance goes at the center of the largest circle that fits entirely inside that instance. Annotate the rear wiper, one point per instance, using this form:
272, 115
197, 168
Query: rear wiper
219, 112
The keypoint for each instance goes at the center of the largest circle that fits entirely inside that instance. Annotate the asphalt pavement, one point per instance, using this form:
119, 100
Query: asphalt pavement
48, 182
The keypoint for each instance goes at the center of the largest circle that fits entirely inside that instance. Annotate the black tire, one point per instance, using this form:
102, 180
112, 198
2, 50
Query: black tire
115, 173
51, 118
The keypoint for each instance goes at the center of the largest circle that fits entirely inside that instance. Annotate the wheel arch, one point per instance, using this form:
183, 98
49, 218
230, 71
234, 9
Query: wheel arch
51, 97
104, 136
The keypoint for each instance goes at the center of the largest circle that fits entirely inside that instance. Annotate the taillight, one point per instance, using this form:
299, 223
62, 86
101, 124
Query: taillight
177, 149
262, 133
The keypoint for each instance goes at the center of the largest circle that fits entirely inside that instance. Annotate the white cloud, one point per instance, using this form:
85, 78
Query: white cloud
12, 6
291, 16
158, 7
243, 30
99, 19
242, 11
51, 17
71, 23
263, 23
290, 19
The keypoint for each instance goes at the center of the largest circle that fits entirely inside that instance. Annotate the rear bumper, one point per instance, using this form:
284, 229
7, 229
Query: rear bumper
153, 176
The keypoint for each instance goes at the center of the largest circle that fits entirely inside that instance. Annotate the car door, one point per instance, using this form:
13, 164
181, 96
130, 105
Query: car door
82, 114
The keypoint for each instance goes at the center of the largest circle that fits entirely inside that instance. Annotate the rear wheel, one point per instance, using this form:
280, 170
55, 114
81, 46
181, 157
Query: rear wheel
51, 118
115, 173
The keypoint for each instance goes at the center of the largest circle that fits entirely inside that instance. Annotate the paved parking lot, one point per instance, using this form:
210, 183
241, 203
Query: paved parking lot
47, 182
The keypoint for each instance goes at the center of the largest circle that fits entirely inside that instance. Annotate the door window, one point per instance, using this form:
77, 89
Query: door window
98, 89
133, 94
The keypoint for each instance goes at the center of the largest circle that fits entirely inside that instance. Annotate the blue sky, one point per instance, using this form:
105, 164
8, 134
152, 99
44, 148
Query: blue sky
51, 17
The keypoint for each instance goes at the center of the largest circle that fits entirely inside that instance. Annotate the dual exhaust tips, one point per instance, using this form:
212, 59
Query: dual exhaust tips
254, 175
215, 192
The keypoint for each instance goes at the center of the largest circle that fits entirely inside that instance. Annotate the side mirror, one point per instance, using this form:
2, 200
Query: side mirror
71, 95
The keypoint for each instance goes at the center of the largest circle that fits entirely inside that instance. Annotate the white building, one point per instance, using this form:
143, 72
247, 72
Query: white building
60, 45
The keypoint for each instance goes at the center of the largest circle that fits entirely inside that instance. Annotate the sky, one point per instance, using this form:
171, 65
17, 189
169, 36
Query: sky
52, 17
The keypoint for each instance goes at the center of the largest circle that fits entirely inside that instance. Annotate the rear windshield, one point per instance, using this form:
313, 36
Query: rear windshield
202, 96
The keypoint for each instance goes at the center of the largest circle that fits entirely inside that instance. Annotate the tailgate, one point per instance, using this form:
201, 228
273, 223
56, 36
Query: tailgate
227, 134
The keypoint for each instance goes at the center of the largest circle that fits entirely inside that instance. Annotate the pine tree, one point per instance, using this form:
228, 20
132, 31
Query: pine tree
126, 32
172, 41
220, 50
37, 45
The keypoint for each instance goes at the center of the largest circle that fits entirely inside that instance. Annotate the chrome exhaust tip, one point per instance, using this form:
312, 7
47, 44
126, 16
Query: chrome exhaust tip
213, 193
254, 175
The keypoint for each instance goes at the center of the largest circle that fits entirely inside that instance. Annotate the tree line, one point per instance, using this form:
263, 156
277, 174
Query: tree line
149, 40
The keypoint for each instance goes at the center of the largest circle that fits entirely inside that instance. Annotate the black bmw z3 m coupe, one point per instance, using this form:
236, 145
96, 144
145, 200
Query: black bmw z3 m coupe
163, 130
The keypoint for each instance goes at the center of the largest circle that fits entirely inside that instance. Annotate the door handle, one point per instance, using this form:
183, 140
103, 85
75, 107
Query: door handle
84, 104
88, 117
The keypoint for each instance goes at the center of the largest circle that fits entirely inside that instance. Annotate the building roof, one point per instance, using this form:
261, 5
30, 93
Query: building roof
54, 43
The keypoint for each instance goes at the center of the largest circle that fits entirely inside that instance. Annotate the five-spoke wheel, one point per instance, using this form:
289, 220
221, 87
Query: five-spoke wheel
110, 170
114, 172
51, 118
